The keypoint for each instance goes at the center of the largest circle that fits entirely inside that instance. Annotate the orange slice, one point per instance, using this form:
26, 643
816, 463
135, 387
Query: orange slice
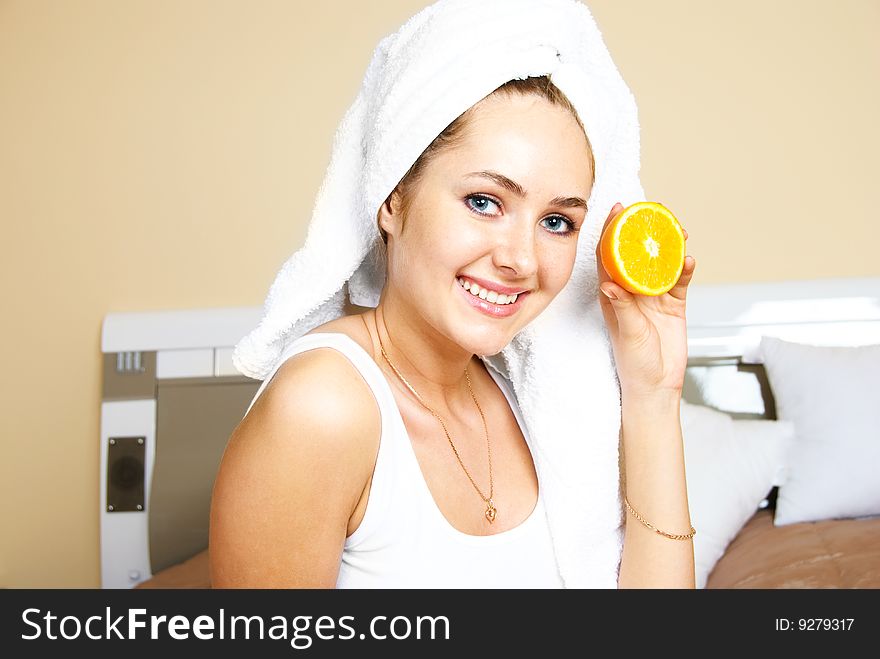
643, 249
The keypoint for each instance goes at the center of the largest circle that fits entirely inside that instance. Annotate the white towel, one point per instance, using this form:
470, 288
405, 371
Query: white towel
442, 61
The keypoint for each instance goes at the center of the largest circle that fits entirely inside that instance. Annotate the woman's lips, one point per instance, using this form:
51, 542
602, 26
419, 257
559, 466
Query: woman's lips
491, 309
491, 285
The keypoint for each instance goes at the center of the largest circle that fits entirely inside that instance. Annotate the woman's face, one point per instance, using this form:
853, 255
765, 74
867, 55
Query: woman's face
501, 210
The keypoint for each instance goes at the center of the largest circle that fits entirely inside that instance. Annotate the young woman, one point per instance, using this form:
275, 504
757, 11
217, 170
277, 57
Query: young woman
385, 450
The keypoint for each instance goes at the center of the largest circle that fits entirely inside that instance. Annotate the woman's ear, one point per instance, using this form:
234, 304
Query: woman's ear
390, 216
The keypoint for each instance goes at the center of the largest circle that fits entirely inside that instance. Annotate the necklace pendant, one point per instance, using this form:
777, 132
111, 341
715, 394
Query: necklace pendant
491, 511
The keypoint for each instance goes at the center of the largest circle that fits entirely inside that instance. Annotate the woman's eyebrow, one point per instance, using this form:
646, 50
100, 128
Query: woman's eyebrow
501, 180
518, 190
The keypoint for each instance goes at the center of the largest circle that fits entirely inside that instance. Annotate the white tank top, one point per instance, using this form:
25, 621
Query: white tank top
404, 541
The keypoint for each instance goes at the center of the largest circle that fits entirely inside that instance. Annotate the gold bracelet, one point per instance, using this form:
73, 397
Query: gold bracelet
671, 536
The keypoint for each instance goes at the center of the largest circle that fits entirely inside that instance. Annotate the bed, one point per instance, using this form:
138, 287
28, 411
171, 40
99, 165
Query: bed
781, 424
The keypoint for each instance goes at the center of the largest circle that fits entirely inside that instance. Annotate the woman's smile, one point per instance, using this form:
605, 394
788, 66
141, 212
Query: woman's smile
488, 301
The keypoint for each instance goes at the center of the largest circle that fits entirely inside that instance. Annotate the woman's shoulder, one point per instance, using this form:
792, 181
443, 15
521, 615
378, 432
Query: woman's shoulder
328, 373
320, 394
294, 473
323, 382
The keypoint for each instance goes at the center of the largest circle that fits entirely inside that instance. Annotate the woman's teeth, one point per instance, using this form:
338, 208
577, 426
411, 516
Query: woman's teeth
484, 294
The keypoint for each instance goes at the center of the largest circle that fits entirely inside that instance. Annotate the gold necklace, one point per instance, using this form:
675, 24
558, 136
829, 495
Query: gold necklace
491, 510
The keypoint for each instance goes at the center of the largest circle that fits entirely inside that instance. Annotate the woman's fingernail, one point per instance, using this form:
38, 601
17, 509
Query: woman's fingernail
608, 294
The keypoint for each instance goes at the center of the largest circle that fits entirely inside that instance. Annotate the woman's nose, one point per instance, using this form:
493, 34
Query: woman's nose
516, 252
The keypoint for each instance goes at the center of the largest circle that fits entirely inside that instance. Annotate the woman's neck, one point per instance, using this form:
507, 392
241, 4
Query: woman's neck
432, 364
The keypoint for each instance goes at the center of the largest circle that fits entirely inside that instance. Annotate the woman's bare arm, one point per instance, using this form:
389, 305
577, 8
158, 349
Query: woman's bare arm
649, 339
656, 488
292, 474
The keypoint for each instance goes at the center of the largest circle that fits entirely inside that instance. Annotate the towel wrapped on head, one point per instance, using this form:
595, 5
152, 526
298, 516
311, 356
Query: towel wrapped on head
438, 64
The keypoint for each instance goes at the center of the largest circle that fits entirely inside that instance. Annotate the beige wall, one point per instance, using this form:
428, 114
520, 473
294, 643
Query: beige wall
161, 155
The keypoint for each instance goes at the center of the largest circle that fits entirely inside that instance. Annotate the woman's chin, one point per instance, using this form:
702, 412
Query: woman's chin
487, 345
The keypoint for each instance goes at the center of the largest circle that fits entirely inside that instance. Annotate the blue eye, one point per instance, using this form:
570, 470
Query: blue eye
480, 203
559, 224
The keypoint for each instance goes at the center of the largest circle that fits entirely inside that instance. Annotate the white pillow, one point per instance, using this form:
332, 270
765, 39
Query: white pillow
731, 465
832, 395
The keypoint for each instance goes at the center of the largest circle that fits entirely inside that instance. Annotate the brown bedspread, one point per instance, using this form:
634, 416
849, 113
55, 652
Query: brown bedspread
842, 553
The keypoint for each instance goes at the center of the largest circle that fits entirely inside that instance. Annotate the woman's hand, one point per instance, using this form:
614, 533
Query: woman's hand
648, 333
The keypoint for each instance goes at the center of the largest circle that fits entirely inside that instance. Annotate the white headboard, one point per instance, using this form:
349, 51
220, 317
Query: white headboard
729, 319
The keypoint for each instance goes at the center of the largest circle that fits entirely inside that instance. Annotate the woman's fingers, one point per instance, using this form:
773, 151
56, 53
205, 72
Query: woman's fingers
631, 322
615, 210
679, 291
603, 274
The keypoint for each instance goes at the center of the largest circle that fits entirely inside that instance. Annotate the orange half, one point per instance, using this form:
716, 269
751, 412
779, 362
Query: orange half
643, 249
